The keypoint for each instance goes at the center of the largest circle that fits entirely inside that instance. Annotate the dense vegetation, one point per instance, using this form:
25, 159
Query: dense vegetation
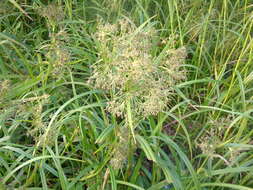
126, 94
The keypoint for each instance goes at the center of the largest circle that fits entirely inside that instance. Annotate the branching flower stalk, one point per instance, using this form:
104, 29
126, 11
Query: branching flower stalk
54, 13
57, 56
135, 84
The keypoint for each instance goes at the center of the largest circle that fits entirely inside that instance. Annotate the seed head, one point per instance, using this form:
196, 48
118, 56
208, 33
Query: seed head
53, 12
4, 86
57, 55
127, 70
212, 138
39, 127
121, 149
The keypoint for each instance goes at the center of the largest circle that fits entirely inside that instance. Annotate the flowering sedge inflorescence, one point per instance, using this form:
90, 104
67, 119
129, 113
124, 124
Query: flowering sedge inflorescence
53, 13
212, 138
27, 109
57, 56
4, 87
34, 106
211, 142
39, 132
127, 70
121, 149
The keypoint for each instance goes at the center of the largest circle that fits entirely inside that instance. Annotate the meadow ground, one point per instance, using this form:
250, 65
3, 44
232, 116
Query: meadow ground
126, 94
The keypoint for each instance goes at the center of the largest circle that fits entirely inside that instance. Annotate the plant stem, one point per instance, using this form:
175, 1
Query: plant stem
129, 118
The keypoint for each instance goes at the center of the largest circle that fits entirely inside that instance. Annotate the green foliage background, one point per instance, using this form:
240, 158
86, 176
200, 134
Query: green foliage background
55, 131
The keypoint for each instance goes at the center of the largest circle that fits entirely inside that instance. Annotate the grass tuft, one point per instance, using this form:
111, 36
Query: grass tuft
120, 94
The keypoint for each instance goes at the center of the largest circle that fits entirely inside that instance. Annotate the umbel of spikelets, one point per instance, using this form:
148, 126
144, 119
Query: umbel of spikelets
136, 85
126, 69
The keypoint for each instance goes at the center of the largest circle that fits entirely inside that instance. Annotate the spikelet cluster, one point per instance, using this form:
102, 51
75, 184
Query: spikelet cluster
39, 132
212, 138
121, 150
211, 143
53, 12
4, 86
113, 6
57, 55
127, 70
208, 143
